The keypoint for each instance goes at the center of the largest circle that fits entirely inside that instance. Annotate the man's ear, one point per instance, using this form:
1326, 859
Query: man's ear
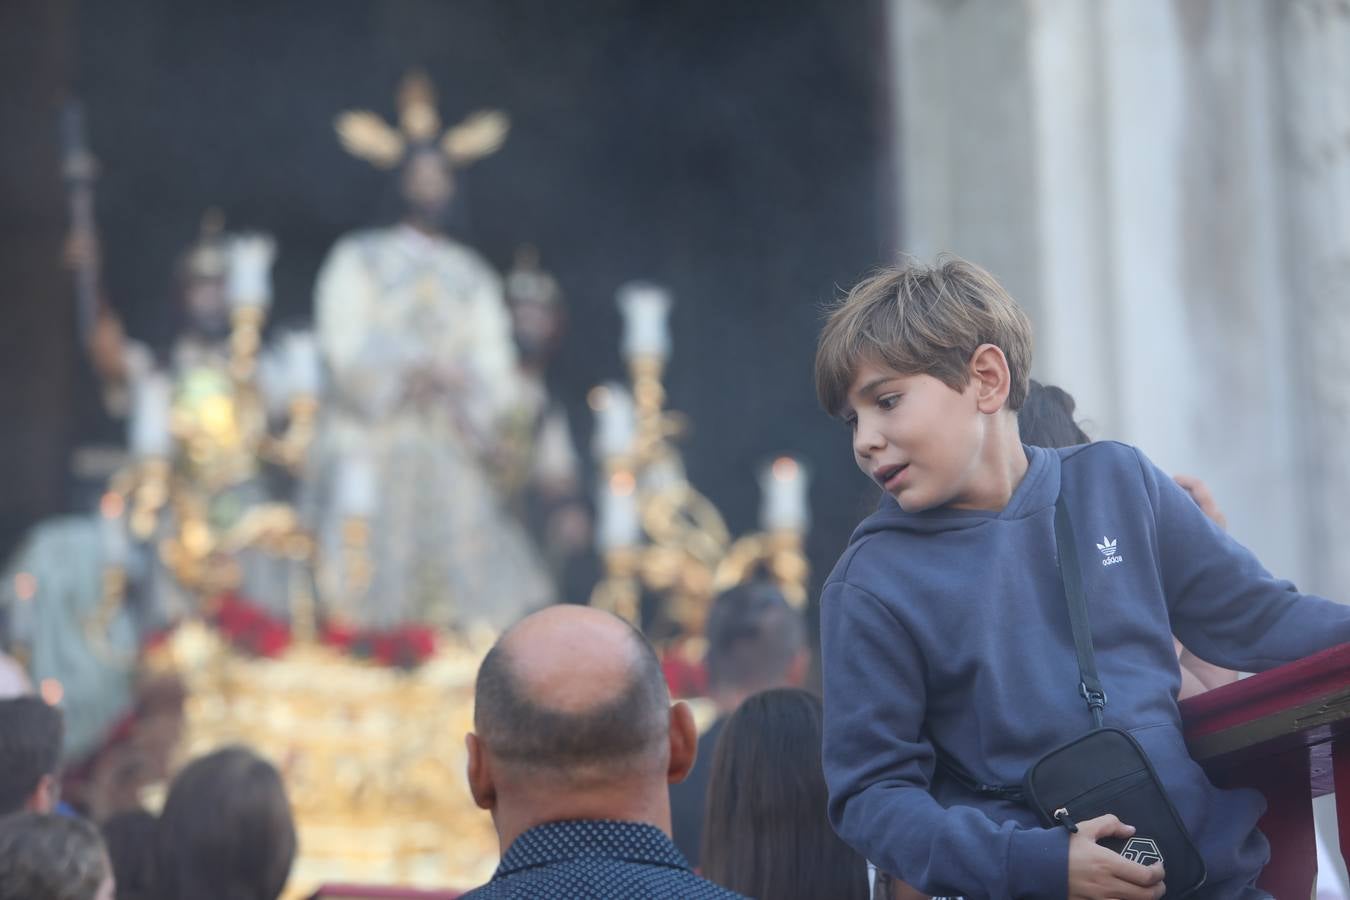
990, 378
479, 770
683, 742
44, 796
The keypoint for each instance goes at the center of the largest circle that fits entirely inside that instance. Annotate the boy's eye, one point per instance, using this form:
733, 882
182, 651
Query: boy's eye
850, 421
889, 401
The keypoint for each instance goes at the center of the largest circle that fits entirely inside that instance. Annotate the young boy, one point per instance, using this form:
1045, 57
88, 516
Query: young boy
944, 627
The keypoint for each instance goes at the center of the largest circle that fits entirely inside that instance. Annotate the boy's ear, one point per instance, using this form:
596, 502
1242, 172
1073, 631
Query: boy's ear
990, 378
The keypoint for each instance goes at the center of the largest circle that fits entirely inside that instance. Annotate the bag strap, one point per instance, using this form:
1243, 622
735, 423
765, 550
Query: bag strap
1089, 684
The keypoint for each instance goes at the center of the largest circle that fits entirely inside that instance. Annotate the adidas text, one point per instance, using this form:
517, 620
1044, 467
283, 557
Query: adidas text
1110, 552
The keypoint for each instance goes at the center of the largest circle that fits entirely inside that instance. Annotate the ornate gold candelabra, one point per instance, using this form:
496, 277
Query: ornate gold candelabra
657, 531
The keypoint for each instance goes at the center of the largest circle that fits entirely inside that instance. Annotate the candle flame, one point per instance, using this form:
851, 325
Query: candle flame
25, 585
598, 398
111, 505
785, 468
622, 483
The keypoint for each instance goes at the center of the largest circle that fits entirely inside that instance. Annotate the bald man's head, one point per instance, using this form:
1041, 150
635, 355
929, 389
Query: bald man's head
572, 691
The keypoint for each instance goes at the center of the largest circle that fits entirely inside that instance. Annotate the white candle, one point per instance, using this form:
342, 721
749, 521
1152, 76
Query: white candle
357, 492
645, 307
784, 502
619, 522
152, 404
303, 370
615, 420
249, 283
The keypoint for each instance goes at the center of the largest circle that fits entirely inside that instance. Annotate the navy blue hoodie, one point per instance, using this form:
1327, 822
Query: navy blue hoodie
948, 628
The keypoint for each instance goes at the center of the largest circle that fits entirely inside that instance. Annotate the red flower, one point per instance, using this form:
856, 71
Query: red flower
270, 639
338, 635
250, 627
684, 677
420, 641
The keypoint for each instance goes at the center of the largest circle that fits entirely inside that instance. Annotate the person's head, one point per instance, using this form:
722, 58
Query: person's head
52, 857
1046, 418
205, 306
427, 184
756, 641
31, 732
226, 830
130, 840
537, 314
201, 278
573, 720
765, 831
927, 365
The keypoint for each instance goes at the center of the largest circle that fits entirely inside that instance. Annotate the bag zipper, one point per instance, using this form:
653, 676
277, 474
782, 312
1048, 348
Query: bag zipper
1135, 779
1062, 817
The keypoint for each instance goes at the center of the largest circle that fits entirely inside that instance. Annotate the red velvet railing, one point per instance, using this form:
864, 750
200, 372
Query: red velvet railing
1286, 733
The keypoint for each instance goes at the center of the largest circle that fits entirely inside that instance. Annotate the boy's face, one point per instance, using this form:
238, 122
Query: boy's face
918, 439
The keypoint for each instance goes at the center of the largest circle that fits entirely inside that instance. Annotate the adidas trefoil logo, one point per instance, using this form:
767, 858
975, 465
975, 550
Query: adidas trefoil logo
1110, 552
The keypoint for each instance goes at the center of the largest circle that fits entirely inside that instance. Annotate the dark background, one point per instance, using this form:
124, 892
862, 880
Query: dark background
731, 151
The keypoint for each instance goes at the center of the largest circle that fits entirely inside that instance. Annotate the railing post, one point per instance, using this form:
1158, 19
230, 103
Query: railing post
1340, 771
1285, 780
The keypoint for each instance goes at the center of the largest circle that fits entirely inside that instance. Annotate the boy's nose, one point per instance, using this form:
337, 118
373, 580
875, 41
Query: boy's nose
867, 441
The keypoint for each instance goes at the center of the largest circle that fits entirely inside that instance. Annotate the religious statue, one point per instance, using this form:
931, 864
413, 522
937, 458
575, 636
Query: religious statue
422, 376
539, 466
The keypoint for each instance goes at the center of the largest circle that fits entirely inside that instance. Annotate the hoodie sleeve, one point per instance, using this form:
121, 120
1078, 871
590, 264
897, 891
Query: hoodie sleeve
878, 764
1225, 607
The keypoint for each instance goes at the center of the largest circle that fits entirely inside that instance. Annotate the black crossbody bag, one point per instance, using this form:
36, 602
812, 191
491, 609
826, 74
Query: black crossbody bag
1106, 771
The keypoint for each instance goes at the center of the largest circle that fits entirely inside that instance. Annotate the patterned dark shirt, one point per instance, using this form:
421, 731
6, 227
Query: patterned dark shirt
599, 859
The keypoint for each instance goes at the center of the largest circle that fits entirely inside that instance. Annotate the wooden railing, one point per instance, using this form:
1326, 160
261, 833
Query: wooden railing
1286, 733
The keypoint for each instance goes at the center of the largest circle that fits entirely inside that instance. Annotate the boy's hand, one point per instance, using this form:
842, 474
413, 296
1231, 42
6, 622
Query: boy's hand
1096, 873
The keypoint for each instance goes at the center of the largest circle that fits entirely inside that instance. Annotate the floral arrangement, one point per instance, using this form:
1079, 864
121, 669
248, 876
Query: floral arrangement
252, 629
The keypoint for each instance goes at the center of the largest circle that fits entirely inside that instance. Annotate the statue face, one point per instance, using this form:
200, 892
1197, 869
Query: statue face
428, 184
208, 309
535, 323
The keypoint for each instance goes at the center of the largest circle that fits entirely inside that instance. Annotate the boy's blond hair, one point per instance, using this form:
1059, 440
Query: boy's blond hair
922, 319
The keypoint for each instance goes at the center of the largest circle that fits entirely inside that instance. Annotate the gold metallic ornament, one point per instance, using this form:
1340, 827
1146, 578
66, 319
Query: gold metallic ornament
688, 556
367, 136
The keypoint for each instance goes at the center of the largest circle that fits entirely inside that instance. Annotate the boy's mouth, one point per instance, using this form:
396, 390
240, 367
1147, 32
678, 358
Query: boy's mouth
889, 476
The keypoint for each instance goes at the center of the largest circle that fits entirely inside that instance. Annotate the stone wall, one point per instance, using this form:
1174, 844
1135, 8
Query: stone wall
1165, 184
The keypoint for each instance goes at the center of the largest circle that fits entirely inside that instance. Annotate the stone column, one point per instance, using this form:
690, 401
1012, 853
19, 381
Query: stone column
1230, 294
1314, 111
1114, 164
1075, 333
963, 136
